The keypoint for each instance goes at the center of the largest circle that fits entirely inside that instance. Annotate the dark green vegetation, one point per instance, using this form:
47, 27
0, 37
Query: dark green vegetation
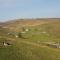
34, 44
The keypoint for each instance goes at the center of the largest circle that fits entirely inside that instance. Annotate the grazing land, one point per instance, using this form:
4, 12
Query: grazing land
30, 39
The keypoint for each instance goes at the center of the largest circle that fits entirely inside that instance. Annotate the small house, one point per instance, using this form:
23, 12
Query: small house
26, 30
16, 36
6, 43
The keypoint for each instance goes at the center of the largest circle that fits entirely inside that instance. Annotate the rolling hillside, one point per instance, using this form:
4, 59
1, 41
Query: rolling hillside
41, 40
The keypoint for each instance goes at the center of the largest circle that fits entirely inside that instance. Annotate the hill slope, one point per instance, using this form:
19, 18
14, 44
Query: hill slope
38, 43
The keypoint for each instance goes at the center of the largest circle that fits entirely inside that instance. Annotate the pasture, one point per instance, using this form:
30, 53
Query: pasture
33, 44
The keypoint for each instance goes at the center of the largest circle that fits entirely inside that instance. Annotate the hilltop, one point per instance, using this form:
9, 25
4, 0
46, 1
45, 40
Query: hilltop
18, 23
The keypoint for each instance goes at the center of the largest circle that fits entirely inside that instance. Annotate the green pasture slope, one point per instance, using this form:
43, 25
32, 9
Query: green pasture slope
30, 46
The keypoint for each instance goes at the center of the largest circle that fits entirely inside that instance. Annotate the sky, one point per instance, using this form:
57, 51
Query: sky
15, 9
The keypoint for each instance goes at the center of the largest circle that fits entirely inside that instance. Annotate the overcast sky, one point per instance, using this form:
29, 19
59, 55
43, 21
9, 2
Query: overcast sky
11, 9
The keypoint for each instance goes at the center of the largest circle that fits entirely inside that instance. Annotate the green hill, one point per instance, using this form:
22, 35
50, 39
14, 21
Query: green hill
30, 39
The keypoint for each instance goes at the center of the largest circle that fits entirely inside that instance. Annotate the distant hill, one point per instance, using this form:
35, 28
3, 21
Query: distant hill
15, 25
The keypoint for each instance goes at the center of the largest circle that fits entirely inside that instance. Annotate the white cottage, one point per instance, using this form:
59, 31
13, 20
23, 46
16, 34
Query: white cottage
26, 30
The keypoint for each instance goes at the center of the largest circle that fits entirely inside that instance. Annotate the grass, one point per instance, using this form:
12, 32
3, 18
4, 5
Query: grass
24, 51
31, 48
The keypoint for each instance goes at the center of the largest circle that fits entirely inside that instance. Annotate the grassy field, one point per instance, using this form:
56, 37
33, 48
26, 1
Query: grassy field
31, 45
